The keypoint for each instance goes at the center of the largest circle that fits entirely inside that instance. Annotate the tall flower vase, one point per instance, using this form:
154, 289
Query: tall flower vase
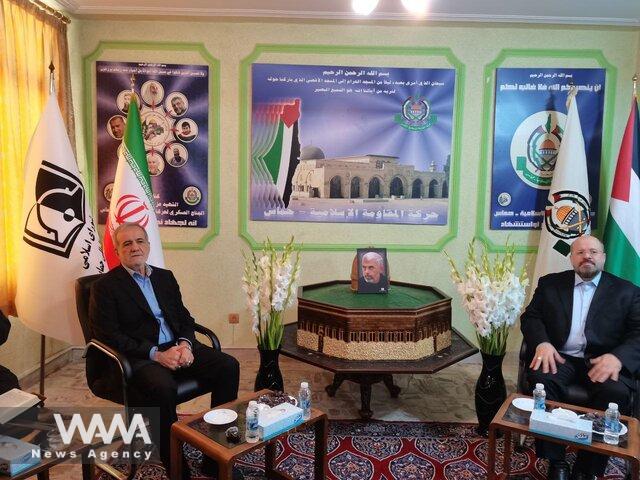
491, 391
269, 375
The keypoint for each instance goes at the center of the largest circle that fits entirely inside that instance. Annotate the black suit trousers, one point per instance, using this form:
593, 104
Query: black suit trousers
8, 380
575, 371
154, 386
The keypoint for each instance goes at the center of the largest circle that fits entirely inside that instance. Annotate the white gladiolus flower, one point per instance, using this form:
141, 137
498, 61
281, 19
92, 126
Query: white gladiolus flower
269, 283
492, 294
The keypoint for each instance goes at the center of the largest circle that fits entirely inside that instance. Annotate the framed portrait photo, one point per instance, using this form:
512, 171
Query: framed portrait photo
373, 270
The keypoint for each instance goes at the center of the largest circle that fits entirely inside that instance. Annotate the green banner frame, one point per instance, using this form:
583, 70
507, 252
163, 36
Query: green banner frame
88, 63
245, 115
482, 232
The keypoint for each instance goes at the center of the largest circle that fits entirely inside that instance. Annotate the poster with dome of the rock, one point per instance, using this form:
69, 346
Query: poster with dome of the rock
351, 144
174, 112
530, 116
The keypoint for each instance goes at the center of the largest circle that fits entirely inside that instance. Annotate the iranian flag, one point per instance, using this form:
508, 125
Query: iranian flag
132, 199
622, 231
567, 213
59, 241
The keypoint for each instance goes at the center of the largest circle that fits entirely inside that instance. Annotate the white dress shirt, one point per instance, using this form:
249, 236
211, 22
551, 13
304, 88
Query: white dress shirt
582, 295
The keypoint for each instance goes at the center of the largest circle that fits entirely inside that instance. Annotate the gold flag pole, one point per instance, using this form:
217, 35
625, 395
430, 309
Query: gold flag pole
573, 91
635, 85
52, 78
52, 91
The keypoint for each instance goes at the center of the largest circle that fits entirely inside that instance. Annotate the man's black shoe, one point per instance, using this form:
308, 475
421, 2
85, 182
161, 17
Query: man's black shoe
579, 475
210, 468
558, 470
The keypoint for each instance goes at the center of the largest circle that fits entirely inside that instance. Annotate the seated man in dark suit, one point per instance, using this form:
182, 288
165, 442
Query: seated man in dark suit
7, 378
137, 309
583, 326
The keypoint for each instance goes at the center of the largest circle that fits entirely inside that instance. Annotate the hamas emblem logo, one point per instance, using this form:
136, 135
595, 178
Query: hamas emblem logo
57, 216
567, 217
192, 195
535, 146
416, 115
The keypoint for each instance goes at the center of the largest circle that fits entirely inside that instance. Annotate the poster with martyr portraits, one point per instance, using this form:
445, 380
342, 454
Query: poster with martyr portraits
174, 106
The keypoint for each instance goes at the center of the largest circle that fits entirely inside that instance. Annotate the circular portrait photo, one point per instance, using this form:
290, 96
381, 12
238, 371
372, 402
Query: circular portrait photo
152, 93
115, 126
155, 162
176, 155
176, 104
156, 129
186, 130
123, 101
108, 191
192, 195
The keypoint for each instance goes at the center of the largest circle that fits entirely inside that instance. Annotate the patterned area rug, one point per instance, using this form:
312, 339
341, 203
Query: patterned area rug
388, 451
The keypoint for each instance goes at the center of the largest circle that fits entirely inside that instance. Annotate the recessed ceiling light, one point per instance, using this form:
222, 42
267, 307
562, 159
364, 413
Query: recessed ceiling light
364, 7
418, 7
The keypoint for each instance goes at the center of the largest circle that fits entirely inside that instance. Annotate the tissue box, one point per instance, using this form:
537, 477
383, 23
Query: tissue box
276, 420
575, 430
16, 455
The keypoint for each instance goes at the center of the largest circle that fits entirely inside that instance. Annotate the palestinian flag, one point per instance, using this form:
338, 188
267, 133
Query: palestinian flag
622, 231
132, 199
276, 150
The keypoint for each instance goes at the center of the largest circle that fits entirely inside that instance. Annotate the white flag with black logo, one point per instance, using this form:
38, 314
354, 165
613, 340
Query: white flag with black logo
567, 213
59, 239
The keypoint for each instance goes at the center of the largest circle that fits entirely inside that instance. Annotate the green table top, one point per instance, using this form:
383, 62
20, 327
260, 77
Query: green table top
399, 296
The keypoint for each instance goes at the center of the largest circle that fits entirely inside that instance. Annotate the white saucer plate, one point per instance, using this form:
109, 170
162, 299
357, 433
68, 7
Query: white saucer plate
525, 404
220, 416
623, 429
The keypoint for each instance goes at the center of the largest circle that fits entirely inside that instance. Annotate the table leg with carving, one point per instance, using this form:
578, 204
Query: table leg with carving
365, 400
394, 390
338, 378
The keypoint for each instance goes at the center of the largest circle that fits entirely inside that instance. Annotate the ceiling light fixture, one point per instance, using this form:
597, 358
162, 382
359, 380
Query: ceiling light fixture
417, 7
364, 7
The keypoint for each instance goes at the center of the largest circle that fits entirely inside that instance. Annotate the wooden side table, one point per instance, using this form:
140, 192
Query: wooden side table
511, 420
211, 440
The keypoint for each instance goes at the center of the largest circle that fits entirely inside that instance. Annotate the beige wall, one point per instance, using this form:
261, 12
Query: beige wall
210, 278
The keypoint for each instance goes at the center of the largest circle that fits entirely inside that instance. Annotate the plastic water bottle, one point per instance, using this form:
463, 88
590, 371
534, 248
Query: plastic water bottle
251, 432
304, 400
612, 424
539, 396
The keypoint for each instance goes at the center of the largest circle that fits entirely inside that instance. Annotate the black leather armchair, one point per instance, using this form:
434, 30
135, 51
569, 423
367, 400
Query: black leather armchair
101, 359
576, 394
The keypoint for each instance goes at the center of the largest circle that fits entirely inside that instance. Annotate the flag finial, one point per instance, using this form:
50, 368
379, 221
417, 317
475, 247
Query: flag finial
52, 78
573, 91
133, 81
635, 84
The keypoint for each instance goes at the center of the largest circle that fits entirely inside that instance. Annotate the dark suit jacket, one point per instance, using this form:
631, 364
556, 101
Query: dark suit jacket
5, 326
612, 325
364, 287
121, 317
